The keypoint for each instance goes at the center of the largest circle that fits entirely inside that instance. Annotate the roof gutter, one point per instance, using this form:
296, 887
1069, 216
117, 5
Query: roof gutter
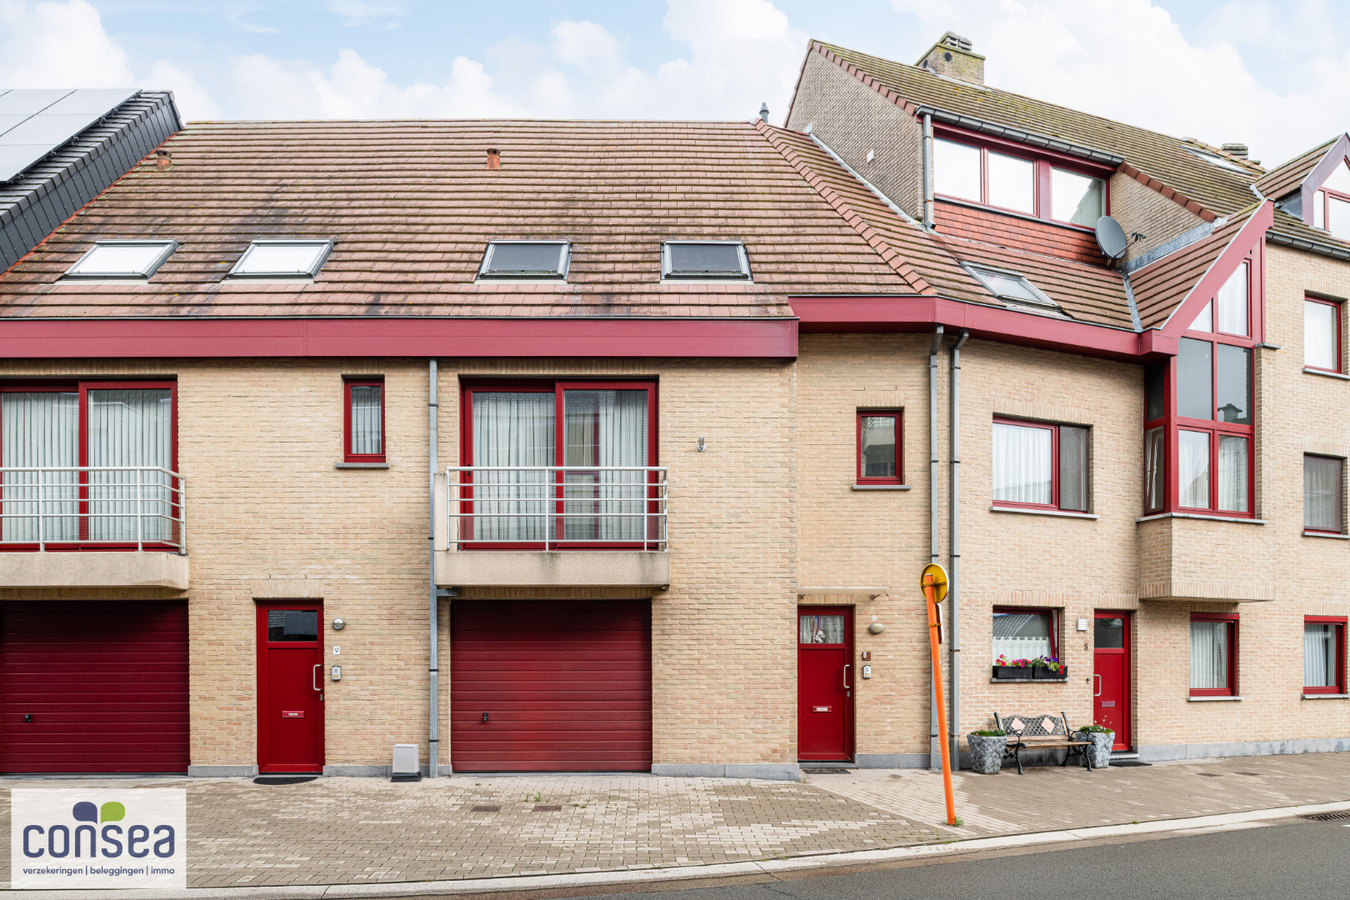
1285, 240
1031, 138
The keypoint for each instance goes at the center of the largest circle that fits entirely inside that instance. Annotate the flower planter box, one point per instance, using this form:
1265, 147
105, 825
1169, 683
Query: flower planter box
986, 753
1044, 674
1022, 673
1013, 672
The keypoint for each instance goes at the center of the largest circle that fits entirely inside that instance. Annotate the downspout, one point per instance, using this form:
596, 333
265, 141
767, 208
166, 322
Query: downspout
934, 752
954, 575
928, 171
433, 741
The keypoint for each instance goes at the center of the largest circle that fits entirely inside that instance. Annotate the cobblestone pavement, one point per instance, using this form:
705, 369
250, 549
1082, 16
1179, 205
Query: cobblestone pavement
368, 830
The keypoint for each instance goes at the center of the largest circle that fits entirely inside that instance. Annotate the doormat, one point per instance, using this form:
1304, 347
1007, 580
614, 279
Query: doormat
284, 779
830, 771
1126, 763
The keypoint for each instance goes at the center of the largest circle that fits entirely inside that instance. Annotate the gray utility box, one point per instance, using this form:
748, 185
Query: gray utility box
406, 766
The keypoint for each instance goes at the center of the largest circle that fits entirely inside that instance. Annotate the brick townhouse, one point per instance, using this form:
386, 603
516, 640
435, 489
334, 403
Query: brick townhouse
583, 446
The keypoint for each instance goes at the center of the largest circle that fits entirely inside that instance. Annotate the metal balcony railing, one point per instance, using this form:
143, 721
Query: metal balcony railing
99, 507
556, 507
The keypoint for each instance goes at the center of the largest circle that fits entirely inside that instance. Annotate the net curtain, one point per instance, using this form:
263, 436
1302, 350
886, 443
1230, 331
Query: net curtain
605, 429
512, 429
1319, 654
1209, 655
129, 429
1022, 464
40, 428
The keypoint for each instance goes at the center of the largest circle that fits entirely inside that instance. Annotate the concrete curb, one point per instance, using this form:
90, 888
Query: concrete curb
684, 873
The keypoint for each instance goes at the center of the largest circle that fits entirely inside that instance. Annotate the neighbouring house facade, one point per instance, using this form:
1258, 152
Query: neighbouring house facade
583, 446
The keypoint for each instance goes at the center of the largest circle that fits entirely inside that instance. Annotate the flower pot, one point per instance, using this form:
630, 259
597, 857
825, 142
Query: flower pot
1045, 674
986, 753
1102, 741
1013, 672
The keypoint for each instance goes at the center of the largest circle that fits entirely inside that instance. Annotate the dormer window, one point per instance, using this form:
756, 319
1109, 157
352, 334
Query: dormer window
526, 260
705, 260
282, 260
121, 261
1014, 290
1020, 184
1331, 203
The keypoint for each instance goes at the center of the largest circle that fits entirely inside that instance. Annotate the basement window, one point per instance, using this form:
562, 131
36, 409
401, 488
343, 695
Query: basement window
121, 261
1014, 290
526, 260
705, 260
282, 259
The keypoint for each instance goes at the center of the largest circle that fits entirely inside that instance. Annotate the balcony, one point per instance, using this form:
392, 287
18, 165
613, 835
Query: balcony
1184, 557
52, 517
554, 526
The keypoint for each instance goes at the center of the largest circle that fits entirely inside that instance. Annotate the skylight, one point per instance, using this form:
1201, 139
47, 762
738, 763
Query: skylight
286, 259
122, 260
526, 260
720, 260
1222, 162
1014, 290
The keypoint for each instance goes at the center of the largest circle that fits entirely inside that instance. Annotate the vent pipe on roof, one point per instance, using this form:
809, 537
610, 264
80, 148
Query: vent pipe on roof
764, 112
163, 158
1239, 150
494, 159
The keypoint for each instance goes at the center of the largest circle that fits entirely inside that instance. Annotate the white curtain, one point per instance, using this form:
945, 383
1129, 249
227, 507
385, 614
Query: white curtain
1232, 303
1193, 468
1154, 471
1209, 654
1232, 474
1022, 464
1021, 635
1319, 335
512, 429
821, 629
1319, 655
1321, 493
40, 428
366, 429
130, 429
605, 428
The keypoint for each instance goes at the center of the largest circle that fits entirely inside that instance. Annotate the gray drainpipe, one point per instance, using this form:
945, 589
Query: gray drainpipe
934, 752
953, 577
928, 171
433, 741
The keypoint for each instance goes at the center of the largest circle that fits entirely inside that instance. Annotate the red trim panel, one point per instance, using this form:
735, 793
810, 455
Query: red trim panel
774, 338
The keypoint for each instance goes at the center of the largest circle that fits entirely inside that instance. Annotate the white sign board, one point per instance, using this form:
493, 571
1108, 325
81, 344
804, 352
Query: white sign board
80, 839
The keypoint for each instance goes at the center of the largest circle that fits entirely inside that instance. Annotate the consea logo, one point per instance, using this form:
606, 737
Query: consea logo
98, 839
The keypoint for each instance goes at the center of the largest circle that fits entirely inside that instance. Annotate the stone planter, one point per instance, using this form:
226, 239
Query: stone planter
1044, 674
986, 753
1101, 746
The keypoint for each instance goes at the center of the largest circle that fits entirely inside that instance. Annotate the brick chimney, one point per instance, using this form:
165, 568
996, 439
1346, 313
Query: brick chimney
953, 57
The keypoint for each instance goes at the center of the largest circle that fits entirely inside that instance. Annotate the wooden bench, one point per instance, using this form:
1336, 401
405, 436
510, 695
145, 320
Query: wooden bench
1041, 732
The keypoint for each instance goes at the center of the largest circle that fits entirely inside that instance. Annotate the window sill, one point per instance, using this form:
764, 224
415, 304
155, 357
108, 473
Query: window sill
1063, 514
1308, 371
1326, 696
1327, 534
881, 487
1029, 680
369, 465
1175, 515
1213, 699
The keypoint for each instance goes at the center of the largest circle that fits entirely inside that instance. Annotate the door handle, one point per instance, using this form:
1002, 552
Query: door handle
314, 678
1098, 679
846, 668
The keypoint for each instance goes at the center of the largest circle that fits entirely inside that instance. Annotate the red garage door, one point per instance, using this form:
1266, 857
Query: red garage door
93, 687
561, 686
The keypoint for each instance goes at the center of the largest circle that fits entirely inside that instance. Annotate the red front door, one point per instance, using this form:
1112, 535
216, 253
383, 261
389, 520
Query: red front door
291, 676
825, 683
1111, 675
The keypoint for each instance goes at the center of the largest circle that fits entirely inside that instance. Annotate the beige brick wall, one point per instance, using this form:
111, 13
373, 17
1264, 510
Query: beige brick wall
1141, 209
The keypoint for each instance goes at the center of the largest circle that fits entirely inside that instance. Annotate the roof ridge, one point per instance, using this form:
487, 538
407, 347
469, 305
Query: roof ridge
888, 253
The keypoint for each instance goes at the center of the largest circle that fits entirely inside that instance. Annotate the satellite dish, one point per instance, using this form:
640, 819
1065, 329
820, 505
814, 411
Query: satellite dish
1111, 237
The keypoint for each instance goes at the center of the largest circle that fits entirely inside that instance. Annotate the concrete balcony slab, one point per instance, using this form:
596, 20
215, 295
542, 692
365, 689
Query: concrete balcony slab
94, 569
553, 568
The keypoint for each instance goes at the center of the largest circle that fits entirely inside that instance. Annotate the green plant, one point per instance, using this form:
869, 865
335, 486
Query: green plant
960, 822
990, 732
1095, 729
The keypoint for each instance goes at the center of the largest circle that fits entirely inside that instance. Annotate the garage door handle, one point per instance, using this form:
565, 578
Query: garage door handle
314, 677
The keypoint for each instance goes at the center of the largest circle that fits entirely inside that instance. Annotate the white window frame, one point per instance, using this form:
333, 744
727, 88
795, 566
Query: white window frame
1038, 302
668, 273
167, 249
236, 271
485, 272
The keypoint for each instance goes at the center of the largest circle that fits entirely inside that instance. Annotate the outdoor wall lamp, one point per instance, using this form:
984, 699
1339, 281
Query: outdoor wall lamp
339, 624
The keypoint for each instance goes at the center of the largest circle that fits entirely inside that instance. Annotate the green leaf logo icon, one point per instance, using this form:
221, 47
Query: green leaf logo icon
112, 812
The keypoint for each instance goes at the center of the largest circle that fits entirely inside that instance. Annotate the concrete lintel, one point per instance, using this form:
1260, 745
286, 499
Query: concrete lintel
95, 569
553, 568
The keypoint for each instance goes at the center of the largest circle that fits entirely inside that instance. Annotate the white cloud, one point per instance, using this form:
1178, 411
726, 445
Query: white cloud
57, 45
194, 101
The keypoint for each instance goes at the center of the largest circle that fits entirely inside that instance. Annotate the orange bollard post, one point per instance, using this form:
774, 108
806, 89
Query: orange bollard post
934, 584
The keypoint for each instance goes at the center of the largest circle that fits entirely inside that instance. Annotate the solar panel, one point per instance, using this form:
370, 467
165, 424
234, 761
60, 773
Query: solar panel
33, 123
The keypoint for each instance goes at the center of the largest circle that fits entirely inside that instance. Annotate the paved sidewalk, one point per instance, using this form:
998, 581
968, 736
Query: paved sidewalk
369, 831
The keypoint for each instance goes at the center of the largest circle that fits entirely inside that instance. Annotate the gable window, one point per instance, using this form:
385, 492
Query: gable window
560, 464
1324, 655
526, 260
88, 463
1042, 466
121, 261
1025, 633
1331, 203
1021, 184
711, 260
282, 260
363, 420
879, 447
1014, 290
1323, 493
1321, 334
1213, 655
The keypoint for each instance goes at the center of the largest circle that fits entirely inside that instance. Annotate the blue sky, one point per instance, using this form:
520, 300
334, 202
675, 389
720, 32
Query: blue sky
1267, 73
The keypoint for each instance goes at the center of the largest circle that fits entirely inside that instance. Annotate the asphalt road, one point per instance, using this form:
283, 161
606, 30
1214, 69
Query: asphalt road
1292, 860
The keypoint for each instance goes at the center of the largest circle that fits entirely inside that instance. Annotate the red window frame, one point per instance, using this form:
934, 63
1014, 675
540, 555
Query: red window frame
1042, 162
1339, 622
1321, 199
1232, 620
82, 388
1340, 488
1172, 423
1054, 614
1054, 503
558, 388
1336, 306
898, 416
347, 454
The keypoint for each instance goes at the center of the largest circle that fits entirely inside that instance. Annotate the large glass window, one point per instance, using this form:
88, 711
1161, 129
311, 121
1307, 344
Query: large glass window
1024, 633
1213, 655
879, 447
1322, 335
1324, 655
1323, 492
956, 170
1040, 465
1033, 187
1331, 204
1012, 183
1077, 199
